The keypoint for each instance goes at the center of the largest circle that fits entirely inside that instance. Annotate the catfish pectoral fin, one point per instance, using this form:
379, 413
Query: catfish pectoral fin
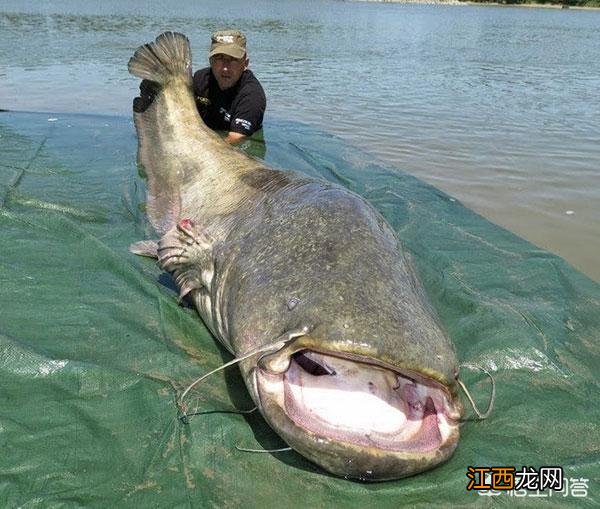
147, 248
186, 251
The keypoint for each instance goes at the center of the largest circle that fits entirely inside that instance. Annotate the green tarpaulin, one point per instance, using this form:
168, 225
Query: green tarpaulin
94, 347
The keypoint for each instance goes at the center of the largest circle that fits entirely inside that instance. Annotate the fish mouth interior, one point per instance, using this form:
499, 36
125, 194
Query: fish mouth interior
363, 404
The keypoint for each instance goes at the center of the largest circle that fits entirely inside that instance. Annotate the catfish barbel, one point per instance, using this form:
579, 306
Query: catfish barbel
364, 381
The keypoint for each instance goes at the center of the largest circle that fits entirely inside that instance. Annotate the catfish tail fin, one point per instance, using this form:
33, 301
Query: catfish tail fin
163, 64
169, 56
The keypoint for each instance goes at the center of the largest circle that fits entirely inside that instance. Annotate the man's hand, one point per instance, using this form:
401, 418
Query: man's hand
148, 91
233, 137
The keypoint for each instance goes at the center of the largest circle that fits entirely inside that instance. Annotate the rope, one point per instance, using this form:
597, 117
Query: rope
484, 415
278, 344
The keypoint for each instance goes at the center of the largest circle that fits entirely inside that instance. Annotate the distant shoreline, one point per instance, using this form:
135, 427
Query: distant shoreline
529, 5
491, 4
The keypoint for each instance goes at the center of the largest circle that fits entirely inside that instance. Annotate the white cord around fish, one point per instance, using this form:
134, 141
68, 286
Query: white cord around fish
486, 414
278, 344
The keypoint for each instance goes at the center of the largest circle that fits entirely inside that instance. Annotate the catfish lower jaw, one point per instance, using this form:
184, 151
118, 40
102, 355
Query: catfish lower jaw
357, 419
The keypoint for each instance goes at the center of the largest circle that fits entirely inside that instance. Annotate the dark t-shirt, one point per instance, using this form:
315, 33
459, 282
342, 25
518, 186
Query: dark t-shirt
239, 109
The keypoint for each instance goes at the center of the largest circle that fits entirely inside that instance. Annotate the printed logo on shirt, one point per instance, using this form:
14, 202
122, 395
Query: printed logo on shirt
244, 123
226, 114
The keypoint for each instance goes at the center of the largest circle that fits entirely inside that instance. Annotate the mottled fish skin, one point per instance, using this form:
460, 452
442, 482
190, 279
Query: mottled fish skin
262, 252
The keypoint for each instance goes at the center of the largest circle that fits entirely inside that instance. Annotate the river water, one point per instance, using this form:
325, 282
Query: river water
496, 106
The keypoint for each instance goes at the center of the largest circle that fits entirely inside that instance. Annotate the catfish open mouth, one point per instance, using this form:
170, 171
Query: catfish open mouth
369, 407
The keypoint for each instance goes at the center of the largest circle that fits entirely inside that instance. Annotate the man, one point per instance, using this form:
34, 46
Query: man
228, 95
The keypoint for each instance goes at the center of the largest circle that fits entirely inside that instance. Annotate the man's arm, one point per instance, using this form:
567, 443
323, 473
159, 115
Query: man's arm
247, 112
233, 137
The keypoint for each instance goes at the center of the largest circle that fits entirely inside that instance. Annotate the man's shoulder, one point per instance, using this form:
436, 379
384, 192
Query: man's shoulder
201, 79
249, 84
202, 73
248, 78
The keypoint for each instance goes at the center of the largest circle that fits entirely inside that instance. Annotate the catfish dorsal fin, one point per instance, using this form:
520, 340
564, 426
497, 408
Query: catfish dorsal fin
186, 251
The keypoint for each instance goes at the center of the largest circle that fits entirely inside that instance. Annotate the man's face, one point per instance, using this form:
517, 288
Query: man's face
227, 70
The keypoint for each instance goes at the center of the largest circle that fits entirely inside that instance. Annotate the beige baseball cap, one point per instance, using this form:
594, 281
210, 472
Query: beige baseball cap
228, 42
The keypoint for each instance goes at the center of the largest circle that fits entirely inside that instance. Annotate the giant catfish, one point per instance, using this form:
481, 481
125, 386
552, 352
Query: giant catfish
351, 367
